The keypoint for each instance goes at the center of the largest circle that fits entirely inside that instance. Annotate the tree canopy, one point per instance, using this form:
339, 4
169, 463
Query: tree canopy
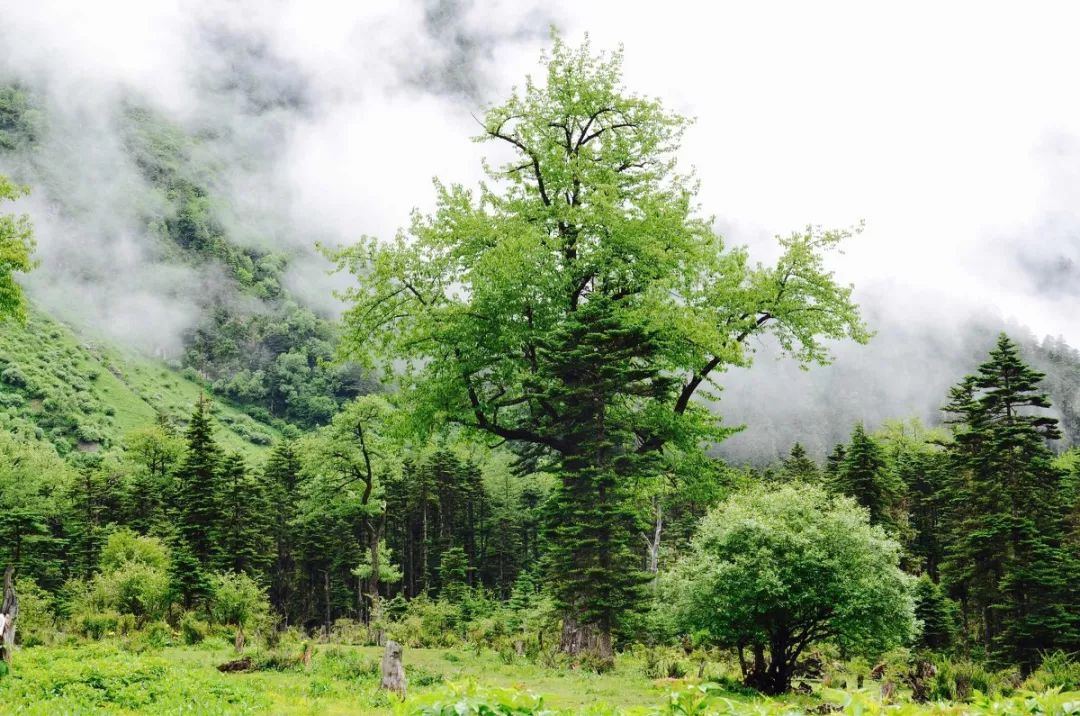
497, 311
776, 569
16, 246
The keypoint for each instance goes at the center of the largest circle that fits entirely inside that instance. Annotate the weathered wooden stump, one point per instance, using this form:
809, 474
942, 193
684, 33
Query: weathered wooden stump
393, 672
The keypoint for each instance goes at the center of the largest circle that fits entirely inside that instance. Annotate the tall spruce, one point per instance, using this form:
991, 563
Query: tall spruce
281, 478
199, 493
864, 474
799, 466
244, 540
602, 363
1006, 559
834, 461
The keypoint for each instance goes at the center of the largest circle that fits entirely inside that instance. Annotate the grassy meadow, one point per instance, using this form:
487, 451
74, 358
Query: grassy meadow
129, 675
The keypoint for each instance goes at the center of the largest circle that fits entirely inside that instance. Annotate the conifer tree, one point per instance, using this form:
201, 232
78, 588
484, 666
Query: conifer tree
1006, 557
937, 613
594, 566
798, 466
453, 574
281, 477
245, 535
864, 475
924, 472
833, 462
198, 491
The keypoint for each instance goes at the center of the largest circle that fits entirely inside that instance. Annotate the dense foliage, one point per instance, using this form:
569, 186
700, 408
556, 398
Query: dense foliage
16, 245
536, 484
773, 571
574, 306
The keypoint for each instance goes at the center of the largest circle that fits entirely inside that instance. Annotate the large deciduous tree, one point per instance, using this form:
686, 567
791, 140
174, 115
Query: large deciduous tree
16, 246
576, 304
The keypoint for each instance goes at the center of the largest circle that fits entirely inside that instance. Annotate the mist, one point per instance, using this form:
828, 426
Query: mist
323, 122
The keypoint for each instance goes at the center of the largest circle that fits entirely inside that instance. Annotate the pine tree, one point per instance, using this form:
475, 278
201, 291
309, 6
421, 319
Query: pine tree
453, 575
798, 466
864, 475
281, 477
1006, 558
937, 613
245, 535
200, 520
925, 473
834, 461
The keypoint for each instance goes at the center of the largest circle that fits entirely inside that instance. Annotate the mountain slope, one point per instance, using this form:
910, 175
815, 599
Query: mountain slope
82, 394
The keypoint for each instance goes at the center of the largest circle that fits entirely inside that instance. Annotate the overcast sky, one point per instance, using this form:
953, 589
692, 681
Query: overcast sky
952, 129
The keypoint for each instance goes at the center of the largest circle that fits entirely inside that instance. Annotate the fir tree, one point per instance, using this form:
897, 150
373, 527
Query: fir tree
245, 536
281, 477
864, 475
453, 574
937, 613
925, 474
595, 566
198, 489
834, 461
798, 466
1006, 558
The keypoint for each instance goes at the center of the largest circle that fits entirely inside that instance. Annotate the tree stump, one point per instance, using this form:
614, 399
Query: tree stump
919, 679
393, 673
305, 658
9, 612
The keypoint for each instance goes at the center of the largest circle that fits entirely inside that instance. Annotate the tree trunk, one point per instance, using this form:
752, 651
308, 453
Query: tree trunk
326, 589
393, 673
9, 612
653, 545
587, 640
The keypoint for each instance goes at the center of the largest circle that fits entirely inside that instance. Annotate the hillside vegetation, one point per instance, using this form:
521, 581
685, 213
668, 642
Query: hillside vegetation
85, 395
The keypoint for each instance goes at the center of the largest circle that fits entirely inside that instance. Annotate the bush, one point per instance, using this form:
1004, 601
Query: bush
788, 560
427, 624
133, 588
124, 545
192, 629
338, 663
236, 599
158, 635
959, 680
37, 619
95, 625
1057, 671
13, 375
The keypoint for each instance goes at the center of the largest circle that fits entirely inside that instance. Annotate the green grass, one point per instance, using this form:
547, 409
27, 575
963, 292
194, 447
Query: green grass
81, 394
104, 677
119, 676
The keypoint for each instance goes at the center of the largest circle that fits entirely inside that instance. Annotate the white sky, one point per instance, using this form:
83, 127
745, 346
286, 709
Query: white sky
951, 128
